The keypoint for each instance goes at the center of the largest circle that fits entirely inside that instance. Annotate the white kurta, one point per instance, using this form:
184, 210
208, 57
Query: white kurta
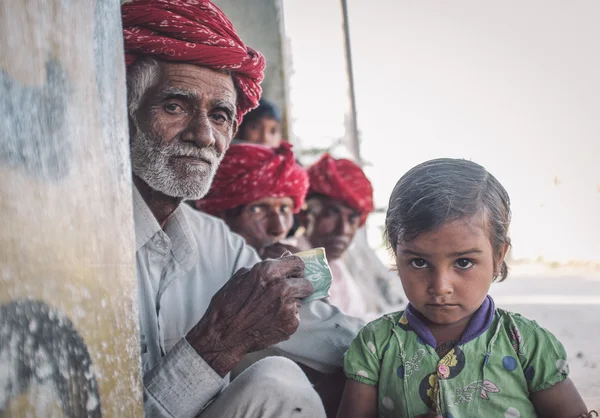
179, 269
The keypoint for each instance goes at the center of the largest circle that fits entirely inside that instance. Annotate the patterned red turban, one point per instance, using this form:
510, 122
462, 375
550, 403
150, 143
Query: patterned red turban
195, 32
342, 180
251, 172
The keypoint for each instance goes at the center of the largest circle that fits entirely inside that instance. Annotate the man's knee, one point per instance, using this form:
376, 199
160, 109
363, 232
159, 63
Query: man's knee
279, 377
277, 373
274, 387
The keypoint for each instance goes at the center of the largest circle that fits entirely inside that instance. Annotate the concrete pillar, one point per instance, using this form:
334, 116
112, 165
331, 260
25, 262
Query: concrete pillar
260, 25
68, 295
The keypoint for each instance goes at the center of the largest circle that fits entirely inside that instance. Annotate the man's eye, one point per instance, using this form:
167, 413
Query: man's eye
286, 209
219, 117
255, 209
354, 219
464, 263
328, 212
174, 108
418, 263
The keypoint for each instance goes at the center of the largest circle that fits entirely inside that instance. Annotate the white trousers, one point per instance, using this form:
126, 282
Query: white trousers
274, 387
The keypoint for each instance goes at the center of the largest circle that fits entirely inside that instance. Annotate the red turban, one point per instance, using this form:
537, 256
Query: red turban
195, 32
251, 172
342, 180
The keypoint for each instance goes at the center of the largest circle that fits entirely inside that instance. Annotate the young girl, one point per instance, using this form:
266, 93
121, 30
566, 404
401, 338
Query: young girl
452, 353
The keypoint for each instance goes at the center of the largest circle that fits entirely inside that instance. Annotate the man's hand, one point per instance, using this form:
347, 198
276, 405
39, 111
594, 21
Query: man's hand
252, 311
276, 250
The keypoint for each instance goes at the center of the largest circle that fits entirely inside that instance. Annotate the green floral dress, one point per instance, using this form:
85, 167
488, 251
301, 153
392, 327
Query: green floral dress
489, 376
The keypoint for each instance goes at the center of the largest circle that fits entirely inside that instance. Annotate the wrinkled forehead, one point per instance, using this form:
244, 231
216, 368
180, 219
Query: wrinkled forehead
196, 81
317, 203
273, 201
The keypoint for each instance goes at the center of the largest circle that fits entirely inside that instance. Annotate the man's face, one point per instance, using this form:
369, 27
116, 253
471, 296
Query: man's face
182, 129
264, 131
446, 273
264, 221
332, 224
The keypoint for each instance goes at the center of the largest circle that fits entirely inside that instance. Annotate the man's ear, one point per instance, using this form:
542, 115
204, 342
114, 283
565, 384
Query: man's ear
223, 215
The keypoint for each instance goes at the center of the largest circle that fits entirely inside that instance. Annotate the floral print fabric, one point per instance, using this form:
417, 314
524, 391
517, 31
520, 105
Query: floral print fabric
491, 375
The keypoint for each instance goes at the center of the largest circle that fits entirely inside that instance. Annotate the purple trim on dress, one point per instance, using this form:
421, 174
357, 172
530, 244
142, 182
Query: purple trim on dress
479, 323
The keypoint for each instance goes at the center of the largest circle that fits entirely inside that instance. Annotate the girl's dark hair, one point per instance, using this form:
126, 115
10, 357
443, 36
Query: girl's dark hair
444, 190
265, 109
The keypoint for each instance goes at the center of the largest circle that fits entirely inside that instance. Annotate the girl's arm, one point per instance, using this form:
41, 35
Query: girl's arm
358, 401
559, 401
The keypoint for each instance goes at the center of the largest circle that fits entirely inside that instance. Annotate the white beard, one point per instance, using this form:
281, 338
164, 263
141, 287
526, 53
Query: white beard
153, 162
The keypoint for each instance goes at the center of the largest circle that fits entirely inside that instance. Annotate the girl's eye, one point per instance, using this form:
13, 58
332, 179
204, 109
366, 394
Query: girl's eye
418, 263
464, 263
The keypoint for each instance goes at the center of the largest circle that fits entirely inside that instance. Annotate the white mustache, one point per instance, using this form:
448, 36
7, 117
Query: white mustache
209, 155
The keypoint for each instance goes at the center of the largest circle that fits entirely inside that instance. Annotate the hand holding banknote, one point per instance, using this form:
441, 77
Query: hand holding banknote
317, 271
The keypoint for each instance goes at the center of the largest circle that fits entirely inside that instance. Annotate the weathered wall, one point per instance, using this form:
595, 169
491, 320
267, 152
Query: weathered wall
260, 25
68, 297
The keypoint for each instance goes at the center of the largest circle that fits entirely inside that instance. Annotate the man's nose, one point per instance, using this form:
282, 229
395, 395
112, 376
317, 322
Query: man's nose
343, 226
276, 225
200, 132
263, 135
441, 283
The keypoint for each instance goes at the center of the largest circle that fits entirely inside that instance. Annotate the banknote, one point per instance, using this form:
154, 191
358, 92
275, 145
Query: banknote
317, 271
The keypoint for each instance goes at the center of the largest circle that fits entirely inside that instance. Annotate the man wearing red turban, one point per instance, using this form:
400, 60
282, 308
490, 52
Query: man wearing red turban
339, 200
206, 299
256, 191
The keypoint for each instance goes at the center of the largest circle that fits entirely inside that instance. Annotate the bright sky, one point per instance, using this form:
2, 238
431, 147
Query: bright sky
511, 85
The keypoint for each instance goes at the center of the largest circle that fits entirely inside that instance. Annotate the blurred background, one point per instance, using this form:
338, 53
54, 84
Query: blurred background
511, 85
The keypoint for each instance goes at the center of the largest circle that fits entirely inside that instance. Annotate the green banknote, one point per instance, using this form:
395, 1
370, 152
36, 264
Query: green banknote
317, 271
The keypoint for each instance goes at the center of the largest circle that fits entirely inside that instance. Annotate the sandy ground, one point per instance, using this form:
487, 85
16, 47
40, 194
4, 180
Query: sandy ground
569, 306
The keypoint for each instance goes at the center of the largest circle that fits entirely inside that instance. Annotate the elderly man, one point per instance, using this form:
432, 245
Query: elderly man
339, 200
206, 300
256, 191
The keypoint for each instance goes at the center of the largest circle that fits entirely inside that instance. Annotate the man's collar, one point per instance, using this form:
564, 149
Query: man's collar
184, 246
177, 228
146, 225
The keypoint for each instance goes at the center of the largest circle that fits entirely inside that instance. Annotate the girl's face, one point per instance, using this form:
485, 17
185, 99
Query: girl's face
446, 273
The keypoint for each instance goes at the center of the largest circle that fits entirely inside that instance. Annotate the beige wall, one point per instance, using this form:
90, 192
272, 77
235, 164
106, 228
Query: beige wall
259, 23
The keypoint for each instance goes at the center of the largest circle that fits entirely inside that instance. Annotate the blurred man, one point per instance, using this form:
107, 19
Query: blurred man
256, 191
262, 125
339, 200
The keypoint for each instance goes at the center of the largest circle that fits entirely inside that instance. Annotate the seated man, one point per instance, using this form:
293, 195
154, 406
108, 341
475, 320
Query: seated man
339, 200
262, 125
256, 191
205, 297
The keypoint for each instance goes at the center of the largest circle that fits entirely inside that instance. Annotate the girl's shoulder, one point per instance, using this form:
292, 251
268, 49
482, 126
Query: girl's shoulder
525, 334
542, 356
511, 320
